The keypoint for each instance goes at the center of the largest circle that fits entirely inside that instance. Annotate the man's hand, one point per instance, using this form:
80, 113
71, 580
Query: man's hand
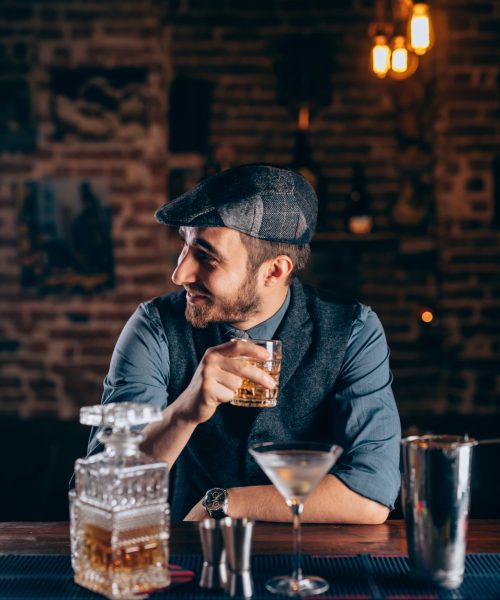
197, 513
219, 374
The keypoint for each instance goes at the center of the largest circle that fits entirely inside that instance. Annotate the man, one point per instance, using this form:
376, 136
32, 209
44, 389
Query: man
246, 233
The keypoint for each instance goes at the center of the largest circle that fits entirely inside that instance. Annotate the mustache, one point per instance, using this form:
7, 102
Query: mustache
197, 290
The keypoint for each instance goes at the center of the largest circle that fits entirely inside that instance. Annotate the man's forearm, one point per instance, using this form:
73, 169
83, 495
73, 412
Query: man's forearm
330, 502
166, 439
213, 383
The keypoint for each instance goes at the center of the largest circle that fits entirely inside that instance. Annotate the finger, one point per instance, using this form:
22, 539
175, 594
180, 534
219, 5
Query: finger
245, 369
230, 381
222, 393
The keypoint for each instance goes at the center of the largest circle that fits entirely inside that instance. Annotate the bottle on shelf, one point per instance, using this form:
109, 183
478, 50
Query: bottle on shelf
303, 163
119, 515
358, 211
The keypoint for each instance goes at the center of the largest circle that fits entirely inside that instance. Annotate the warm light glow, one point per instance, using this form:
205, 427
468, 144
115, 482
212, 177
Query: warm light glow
304, 118
381, 55
399, 57
360, 224
399, 60
399, 36
426, 316
420, 29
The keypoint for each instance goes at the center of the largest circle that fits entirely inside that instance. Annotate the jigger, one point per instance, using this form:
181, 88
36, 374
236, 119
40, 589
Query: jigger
214, 572
237, 535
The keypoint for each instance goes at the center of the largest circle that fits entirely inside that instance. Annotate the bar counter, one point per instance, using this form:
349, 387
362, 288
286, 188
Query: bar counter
386, 539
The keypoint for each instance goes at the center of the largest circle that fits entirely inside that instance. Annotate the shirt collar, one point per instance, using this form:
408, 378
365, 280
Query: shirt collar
262, 331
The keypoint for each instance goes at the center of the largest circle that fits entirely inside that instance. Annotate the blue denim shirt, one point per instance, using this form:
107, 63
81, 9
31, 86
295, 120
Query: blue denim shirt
140, 371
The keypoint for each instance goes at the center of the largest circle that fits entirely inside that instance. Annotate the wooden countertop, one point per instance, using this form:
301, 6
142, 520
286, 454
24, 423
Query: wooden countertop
389, 538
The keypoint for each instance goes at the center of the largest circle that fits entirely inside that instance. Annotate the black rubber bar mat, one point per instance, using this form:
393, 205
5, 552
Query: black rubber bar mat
361, 577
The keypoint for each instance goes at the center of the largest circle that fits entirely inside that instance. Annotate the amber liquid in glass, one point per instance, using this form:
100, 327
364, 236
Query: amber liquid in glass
140, 549
254, 395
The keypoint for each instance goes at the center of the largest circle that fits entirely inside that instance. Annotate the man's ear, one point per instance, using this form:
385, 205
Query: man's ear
277, 270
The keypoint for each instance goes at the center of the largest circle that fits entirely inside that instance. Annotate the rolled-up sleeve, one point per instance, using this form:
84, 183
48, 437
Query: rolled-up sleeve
366, 419
140, 367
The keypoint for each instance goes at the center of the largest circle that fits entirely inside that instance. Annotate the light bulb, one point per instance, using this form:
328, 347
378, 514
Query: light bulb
403, 62
426, 316
420, 31
399, 56
381, 55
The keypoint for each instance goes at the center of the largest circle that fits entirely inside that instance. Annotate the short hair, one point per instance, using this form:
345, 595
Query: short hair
261, 250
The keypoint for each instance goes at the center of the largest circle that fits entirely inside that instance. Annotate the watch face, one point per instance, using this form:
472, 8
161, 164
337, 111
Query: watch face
215, 500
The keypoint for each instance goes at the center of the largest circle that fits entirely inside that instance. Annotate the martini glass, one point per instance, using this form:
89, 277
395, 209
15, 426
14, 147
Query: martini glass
296, 468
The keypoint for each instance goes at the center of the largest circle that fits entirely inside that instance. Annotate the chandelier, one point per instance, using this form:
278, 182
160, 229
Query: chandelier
401, 33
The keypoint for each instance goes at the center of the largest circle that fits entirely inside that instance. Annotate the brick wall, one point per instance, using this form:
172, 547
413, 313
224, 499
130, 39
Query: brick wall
56, 349
468, 136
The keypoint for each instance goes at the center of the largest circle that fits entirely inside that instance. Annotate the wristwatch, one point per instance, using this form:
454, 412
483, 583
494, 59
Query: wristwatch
216, 502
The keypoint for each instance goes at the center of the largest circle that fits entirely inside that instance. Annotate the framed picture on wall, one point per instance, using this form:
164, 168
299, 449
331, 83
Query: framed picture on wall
98, 104
64, 236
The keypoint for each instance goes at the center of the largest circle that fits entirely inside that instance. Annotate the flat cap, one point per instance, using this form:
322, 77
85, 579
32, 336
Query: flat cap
264, 201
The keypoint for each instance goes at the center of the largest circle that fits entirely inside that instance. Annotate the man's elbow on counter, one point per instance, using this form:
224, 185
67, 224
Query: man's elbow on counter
375, 513
366, 512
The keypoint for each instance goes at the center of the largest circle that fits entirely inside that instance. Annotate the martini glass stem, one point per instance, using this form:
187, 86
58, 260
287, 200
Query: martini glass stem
297, 508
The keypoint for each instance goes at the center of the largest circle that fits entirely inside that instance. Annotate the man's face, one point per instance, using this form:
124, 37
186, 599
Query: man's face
213, 269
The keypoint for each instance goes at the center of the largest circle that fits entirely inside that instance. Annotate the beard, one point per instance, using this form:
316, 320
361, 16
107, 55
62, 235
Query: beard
243, 304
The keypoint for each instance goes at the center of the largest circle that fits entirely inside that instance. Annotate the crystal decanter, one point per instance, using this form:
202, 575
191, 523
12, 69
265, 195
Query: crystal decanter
119, 515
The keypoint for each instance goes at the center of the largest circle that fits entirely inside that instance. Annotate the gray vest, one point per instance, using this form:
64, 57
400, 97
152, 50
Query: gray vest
314, 332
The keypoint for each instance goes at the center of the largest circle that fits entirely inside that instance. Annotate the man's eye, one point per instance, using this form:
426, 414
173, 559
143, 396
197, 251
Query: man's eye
204, 257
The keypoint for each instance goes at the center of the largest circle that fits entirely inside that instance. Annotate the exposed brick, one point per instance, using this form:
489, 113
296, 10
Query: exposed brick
36, 347
88, 391
98, 351
231, 45
71, 335
149, 279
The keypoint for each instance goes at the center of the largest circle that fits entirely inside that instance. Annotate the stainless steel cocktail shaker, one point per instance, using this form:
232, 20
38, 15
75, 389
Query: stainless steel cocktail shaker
435, 497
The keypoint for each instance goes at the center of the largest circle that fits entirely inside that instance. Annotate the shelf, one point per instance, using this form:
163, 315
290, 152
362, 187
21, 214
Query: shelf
405, 243
186, 160
342, 236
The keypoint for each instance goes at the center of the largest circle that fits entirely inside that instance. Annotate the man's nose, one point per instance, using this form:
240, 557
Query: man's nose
185, 272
